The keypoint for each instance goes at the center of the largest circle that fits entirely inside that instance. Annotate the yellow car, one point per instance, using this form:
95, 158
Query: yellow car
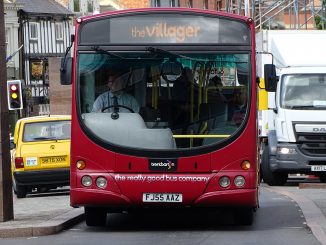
41, 157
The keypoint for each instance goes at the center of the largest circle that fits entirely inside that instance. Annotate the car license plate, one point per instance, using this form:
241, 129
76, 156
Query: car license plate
58, 159
318, 168
162, 197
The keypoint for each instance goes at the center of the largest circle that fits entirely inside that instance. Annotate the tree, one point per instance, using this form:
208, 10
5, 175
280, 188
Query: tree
320, 25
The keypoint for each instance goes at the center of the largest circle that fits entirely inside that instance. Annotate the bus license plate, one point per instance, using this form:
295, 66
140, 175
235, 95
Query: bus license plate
58, 159
318, 168
162, 197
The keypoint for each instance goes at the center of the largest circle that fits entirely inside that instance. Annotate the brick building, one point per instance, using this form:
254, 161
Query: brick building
60, 95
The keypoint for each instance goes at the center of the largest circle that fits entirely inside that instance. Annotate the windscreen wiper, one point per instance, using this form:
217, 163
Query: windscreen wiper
156, 50
302, 107
160, 51
97, 49
44, 138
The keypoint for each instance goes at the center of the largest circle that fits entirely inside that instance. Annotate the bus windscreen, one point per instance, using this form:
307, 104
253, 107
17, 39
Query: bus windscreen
178, 100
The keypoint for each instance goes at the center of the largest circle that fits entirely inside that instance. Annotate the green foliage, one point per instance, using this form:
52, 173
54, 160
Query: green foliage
320, 25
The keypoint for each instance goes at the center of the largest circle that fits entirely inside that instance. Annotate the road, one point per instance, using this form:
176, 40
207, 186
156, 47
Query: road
278, 221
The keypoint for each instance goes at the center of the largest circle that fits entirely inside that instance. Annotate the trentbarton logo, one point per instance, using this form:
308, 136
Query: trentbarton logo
163, 30
163, 164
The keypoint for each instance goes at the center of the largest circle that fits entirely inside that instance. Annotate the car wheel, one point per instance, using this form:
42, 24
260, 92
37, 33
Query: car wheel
269, 177
95, 216
20, 191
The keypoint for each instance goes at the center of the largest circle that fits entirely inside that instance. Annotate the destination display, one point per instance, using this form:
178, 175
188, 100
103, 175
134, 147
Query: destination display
165, 29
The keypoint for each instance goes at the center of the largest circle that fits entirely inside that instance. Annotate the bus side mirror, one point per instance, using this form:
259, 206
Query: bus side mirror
66, 65
270, 77
66, 71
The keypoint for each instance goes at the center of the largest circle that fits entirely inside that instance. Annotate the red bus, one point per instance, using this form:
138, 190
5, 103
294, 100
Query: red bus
179, 129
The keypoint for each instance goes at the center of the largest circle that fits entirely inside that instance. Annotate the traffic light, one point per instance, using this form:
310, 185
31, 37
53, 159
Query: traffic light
15, 96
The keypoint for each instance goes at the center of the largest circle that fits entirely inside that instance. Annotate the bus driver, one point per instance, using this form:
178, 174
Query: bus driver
116, 82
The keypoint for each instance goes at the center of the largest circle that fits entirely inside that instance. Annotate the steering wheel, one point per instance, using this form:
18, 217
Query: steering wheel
122, 106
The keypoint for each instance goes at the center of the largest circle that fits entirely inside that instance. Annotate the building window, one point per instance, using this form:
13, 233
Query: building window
218, 5
90, 7
76, 6
33, 31
205, 4
7, 42
59, 31
156, 3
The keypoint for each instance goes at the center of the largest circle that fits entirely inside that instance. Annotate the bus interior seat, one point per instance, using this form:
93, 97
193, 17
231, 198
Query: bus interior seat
129, 130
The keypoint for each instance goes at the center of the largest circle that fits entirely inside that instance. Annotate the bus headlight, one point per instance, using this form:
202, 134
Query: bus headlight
101, 182
239, 181
224, 181
86, 181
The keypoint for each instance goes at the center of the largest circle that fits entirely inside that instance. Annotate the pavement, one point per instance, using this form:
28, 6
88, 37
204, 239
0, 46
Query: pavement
48, 213
41, 214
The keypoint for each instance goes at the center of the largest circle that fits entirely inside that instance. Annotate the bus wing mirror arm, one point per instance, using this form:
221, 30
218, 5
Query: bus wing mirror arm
66, 65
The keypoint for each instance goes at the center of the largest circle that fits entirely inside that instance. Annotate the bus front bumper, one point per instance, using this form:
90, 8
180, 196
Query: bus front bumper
228, 198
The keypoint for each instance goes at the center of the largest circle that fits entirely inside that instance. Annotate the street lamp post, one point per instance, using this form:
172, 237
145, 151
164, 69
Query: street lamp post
6, 202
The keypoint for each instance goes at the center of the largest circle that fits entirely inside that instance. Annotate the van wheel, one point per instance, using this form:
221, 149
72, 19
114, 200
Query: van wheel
269, 177
244, 216
20, 191
322, 178
95, 216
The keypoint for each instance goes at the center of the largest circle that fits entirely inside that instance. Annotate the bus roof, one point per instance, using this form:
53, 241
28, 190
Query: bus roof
171, 10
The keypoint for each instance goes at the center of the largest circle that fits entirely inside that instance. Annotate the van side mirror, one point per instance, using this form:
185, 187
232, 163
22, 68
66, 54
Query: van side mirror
66, 71
270, 77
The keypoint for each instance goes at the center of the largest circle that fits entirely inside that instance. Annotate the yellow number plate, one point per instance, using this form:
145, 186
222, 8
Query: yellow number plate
59, 159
